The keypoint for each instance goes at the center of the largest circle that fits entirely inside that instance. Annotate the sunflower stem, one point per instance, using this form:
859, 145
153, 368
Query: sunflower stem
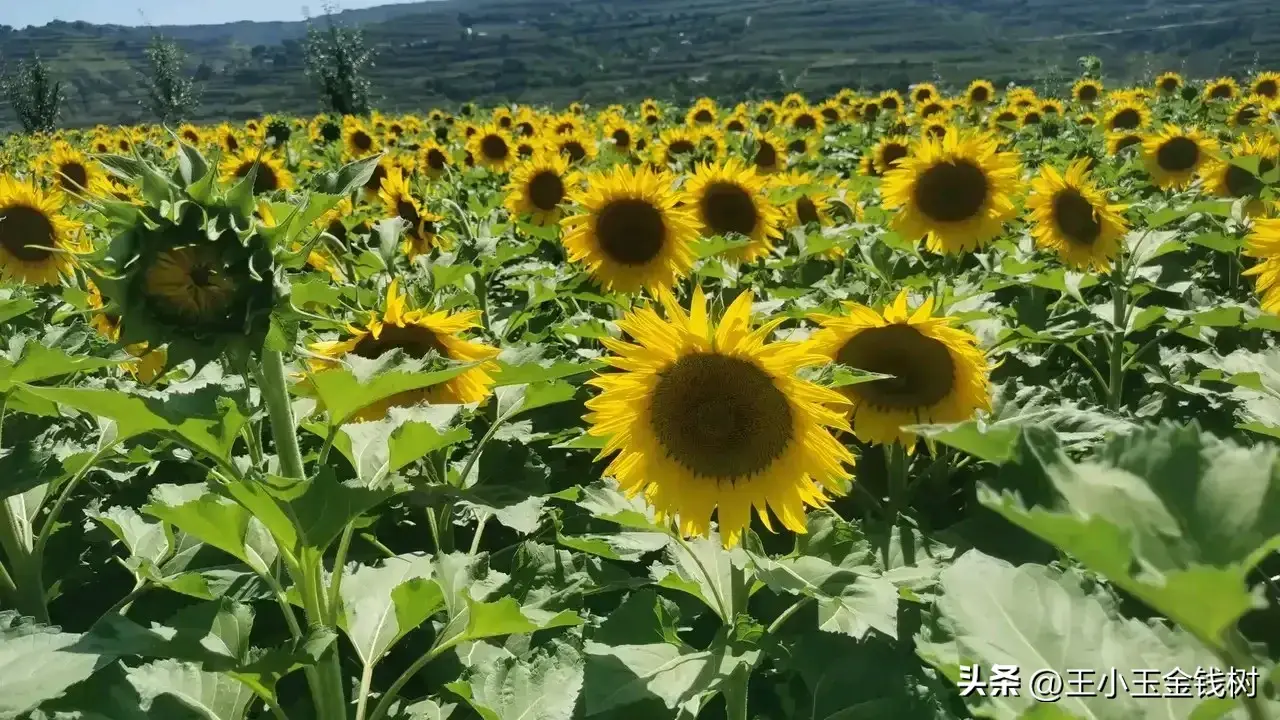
735, 693
896, 471
1119, 294
275, 393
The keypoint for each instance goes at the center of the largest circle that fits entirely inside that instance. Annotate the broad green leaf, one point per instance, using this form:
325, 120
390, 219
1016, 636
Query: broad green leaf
522, 367
606, 502
516, 399
378, 449
216, 521
1174, 516
346, 390
1037, 618
1256, 377
305, 513
149, 541
543, 687
622, 675
37, 361
1014, 408
850, 601
714, 587
39, 663
177, 687
205, 411
12, 307
382, 603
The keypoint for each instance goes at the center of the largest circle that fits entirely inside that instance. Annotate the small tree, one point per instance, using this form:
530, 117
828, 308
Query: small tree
171, 96
336, 58
35, 96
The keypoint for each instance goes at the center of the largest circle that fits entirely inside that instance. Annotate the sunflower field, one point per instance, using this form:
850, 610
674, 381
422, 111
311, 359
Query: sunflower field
943, 403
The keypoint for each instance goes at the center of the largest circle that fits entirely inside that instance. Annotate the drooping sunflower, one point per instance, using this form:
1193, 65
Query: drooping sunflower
711, 418
1229, 180
493, 148
1224, 88
422, 232
1169, 83
1127, 115
631, 232
730, 198
1087, 91
924, 92
539, 188
417, 333
980, 93
939, 373
358, 139
271, 174
1173, 155
956, 191
72, 170
38, 244
149, 364
1266, 84
1073, 218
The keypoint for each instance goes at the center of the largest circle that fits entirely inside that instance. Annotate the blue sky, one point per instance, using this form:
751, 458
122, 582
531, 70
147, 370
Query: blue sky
20, 13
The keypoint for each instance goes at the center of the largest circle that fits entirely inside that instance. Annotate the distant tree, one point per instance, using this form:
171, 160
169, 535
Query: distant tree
171, 96
35, 96
336, 58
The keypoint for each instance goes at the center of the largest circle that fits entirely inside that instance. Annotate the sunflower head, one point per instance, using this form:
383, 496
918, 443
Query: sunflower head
540, 187
1224, 88
956, 191
768, 153
730, 199
1127, 115
72, 171
492, 147
1169, 83
937, 372
924, 92
358, 139
630, 231
980, 93
1266, 84
269, 173
1087, 91
1072, 217
890, 101
710, 418
38, 244
1228, 177
1173, 155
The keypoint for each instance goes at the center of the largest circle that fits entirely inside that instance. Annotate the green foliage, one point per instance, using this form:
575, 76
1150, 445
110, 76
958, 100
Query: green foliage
171, 96
336, 60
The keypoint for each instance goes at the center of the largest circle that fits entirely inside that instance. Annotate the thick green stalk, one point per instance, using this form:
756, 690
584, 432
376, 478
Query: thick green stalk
330, 692
1119, 294
735, 693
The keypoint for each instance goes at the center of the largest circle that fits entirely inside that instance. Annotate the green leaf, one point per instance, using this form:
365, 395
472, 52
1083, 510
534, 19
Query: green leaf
606, 502
383, 603
34, 361
686, 571
205, 411
851, 602
622, 675
146, 541
1173, 516
346, 390
170, 688
39, 663
542, 687
516, 399
216, 521
525, 366
1256, 377
1015, 408
1035, 618
378, 449
12, 307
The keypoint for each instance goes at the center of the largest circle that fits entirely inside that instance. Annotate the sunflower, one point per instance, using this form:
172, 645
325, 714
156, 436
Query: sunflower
578, 147
417, 333
1087, 120
191, 283
620, 133
1118, 141
1051, 107
980, 93
930, 108
736, 124
334, 221
811, 206
566, 125
1224, 88
769, 155
703, 112
794, 101
493, 148
1087, 91
228, 138
1020, 97
271, 175
1031, 116
805, 120
324, 130
935, 127
1251, 110
890, 101
539, 187
730, 198
888, 151
1002, 117
503, 118
710, 418
1173, 155
799, 146
1266, 84
36, 241
1227, 179
631, 233
434, 159
675, 144
831, 111
357, 138
939, 373
955, 190
1127, 115
1073, 219
923, 92
1169, 83
422, 232
73, 172
191, 135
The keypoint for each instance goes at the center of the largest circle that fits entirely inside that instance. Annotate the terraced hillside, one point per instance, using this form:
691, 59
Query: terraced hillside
446, 51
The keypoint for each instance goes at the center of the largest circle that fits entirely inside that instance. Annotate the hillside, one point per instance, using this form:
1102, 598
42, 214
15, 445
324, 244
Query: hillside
447, 51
